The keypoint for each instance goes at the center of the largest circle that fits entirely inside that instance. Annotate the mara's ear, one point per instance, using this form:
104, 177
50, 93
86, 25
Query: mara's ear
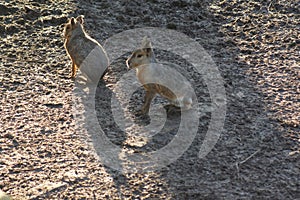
146, 43
72, 20
80, 18
149, 51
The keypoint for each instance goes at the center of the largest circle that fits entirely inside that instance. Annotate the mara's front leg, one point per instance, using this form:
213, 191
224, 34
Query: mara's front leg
74, 68
148, 98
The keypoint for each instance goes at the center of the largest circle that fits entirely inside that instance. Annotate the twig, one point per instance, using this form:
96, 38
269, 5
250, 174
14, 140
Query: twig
249, 157
243, 161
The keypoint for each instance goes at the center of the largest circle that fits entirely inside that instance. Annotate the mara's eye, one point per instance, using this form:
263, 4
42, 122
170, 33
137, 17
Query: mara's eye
139, 55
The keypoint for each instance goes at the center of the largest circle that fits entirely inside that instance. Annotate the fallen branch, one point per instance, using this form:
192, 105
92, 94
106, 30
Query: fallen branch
249, 157
243, 161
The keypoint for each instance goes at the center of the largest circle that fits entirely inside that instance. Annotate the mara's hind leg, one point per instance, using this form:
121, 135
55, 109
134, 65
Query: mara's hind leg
180, 104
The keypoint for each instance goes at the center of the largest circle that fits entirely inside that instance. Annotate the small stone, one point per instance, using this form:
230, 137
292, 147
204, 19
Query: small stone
171, 26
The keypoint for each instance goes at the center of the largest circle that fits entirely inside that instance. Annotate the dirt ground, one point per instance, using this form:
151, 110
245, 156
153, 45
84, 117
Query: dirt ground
255, 45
